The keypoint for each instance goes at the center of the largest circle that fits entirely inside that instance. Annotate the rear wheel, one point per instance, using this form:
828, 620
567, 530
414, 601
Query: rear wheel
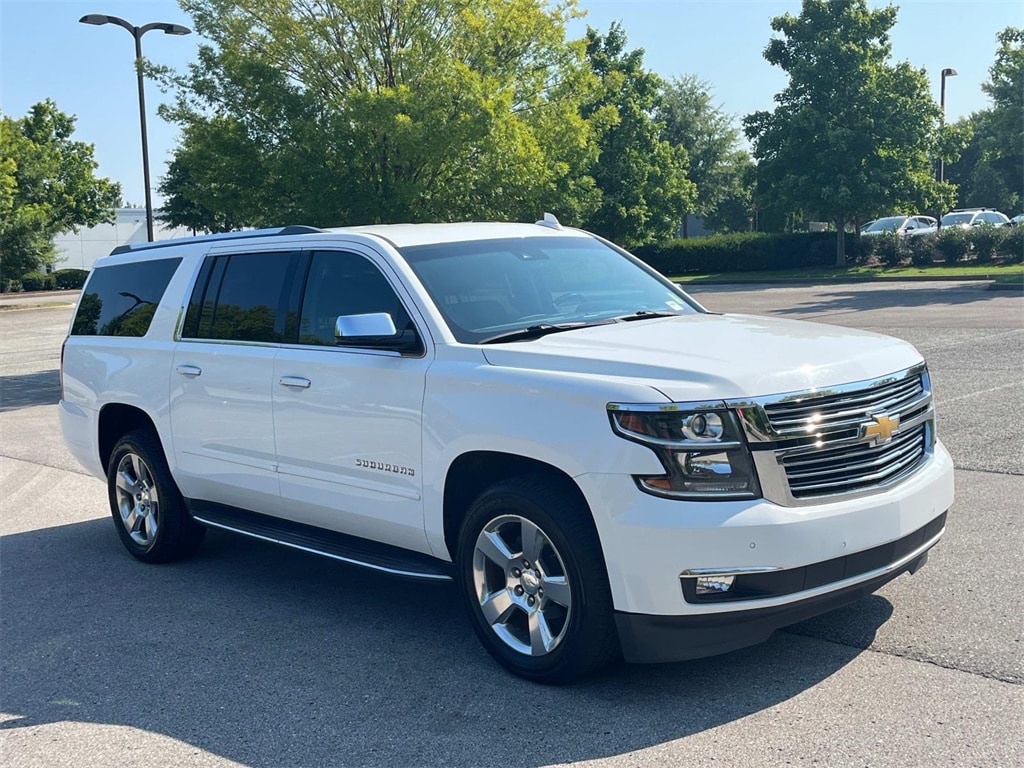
146, 504
533, 576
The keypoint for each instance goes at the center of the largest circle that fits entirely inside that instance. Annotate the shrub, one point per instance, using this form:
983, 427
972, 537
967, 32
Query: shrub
952, 243
1011, 248
984, 240
38, 281
67, 279
889, 248
742, 252
922, 250
12, 286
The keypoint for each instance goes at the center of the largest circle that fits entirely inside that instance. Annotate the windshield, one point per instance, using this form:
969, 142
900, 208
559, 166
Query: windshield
487, 287
956, 218
888, 224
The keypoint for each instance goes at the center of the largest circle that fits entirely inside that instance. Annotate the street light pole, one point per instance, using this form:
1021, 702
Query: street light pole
99, 19
947, 72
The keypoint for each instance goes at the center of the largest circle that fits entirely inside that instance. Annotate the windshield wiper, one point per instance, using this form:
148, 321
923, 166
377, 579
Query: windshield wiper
643, 314
536, 331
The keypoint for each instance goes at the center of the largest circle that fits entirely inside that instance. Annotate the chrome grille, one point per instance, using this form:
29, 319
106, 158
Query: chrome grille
813, 412
855, 467
846, 440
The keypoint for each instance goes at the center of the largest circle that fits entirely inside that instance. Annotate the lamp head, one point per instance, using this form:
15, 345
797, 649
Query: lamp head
949, 72
95, 18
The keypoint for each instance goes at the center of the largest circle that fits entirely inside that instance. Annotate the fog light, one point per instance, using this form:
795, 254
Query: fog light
712, 585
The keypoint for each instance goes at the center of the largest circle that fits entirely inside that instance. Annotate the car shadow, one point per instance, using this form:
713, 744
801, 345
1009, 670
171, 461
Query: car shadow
29, 389
273, 657
865, 299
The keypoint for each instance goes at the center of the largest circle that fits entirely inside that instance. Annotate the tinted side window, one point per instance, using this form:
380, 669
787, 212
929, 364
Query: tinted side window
342, 283
242, 297
120, 300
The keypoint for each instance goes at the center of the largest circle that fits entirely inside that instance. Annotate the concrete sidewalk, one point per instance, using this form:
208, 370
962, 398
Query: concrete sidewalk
38, 299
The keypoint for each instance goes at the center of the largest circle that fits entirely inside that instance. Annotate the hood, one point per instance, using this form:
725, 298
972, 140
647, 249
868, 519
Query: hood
714, 357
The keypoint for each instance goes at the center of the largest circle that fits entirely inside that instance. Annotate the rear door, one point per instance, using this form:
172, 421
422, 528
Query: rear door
221, 409
348, 419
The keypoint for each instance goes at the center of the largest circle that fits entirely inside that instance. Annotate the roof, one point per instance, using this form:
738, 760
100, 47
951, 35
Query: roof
399, 235
404, 235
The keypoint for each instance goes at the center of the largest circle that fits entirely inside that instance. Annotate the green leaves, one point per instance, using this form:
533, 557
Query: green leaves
642, 177
47, 186
853, 136
333, 113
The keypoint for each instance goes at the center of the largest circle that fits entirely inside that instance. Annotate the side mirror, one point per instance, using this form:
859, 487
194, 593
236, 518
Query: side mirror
375, 330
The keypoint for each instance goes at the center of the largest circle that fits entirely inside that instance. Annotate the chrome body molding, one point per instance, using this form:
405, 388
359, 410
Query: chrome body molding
696, 573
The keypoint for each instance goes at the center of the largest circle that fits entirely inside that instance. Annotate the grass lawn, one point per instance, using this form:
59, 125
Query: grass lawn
999, 272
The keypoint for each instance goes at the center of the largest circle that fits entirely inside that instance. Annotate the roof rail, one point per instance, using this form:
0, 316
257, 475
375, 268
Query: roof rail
294, 229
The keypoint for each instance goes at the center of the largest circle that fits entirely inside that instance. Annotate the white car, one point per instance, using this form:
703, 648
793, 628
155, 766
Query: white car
605, 468
965, 218
901, 225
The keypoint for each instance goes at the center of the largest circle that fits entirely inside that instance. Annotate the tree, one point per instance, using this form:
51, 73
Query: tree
716, 163
852, 136
47, 186
329, 113
642, 178
990, 171
1004, 149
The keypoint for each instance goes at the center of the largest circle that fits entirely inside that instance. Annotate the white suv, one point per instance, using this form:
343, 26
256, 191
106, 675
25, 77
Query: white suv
606, 468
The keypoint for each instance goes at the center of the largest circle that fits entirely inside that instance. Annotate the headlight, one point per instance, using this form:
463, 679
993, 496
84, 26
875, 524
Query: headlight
701, 448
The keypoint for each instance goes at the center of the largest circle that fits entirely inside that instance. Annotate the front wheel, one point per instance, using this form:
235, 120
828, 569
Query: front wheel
532, 572
145, 502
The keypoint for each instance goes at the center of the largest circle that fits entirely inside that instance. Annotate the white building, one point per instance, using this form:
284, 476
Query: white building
79, 251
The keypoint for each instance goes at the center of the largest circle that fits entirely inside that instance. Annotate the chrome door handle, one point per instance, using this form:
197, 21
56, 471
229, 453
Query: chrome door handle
189, 370
295, 382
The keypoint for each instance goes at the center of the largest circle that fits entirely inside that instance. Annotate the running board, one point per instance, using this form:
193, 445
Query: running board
320, 541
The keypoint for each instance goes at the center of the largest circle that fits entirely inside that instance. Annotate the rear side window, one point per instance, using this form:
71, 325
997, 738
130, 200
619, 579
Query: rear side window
243, 297
120, 300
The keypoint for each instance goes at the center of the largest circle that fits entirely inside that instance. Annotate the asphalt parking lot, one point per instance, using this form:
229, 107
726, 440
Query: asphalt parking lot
256, 655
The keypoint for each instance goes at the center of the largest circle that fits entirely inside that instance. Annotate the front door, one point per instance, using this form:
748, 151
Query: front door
348, 420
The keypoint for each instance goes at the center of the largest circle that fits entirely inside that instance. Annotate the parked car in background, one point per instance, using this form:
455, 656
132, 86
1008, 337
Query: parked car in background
1017, 221
974, 217
901, 225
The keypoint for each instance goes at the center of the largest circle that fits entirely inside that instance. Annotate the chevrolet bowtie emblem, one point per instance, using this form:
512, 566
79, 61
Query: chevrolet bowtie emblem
882, 429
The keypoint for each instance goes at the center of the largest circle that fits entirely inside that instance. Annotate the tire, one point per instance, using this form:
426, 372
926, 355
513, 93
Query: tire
553, 636
148, 510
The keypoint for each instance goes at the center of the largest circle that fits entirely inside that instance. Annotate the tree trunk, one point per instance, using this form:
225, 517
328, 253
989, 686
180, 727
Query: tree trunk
840, 243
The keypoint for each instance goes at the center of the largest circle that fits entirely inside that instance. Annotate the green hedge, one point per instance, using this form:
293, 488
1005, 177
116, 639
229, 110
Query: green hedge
978, 245
746, 252
61, 280
38, 281
68, 279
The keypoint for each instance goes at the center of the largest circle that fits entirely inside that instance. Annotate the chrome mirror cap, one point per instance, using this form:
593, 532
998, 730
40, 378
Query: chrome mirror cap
376, 324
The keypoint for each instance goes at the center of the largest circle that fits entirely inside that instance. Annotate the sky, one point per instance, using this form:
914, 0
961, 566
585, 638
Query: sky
89, 71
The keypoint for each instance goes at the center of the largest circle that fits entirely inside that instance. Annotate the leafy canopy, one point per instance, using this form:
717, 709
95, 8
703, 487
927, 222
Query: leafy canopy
47, 186
720, 168
642, 177
332, 112
852, 136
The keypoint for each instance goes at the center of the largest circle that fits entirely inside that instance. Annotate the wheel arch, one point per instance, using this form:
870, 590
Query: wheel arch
117, 420
471, 473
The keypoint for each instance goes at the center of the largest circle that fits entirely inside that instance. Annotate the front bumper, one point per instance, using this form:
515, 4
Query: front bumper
817, 556
648, 639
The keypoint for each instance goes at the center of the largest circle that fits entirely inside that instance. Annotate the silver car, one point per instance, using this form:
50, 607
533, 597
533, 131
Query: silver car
901, 225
